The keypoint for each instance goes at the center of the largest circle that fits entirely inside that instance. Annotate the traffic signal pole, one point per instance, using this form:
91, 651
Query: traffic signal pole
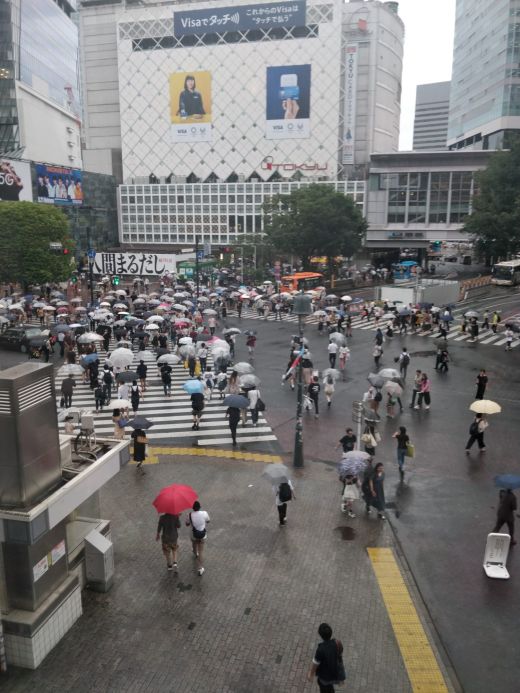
90, 269
197, 265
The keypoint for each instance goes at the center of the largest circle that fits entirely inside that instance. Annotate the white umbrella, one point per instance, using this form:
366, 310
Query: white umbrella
393, 388
155, 318
70, 369
346, 298
178, 306
119, 404
389, 373
209, 311
106, 304
16, 306
89, 337
151, 326
185, 340
121, 357
170, 359
485, 406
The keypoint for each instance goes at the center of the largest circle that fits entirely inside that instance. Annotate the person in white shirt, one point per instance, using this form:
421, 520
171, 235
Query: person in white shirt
253, 396
122, 391
509, 338
333, 350
198, 520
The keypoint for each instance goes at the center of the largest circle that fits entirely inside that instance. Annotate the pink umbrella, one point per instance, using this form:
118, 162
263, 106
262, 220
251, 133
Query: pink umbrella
175, 499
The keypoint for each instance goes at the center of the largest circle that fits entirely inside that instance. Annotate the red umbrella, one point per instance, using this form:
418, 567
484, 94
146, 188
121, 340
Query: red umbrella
175, 499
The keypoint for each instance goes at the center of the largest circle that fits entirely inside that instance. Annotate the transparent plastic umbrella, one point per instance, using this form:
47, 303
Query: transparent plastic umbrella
248, 381
243, 368
332, 373
338, 338
170, 359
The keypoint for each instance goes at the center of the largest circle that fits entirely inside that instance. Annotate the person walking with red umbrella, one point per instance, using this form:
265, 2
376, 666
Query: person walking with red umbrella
170, 503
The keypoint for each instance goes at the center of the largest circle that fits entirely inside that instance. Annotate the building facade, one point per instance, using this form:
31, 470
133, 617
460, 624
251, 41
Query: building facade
39, 85
417, 198
485, 85
430, 127
344, 60
217, 213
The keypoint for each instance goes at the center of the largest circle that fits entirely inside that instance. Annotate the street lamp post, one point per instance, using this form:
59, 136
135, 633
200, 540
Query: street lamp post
90, 268
301, 308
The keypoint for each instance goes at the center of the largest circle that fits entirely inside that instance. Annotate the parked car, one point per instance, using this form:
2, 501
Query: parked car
19, 337
450, 258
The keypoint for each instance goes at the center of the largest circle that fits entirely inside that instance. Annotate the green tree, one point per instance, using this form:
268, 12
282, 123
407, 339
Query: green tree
26, 230
314, 220
495, 220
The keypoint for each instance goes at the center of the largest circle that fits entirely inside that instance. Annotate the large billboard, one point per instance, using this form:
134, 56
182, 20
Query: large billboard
288, 102
15, 181
190, 106
239, 18
137, 264
349, 109
58, 185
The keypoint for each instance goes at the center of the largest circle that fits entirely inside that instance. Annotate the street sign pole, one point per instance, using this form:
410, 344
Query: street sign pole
197, 265
357, 418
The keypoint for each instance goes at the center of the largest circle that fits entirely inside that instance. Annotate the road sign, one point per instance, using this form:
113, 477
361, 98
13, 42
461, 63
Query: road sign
207, 249
200, 254
91, 253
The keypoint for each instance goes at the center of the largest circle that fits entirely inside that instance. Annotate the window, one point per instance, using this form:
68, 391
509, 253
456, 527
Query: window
397, 185
460, 196
439, 189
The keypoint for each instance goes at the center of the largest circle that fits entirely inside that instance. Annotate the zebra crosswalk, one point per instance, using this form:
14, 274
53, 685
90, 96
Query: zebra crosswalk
358, 323
171, 416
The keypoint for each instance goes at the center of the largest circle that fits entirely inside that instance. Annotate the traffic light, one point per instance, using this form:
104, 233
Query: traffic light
115, 280
73, 279
437, 245
65, 251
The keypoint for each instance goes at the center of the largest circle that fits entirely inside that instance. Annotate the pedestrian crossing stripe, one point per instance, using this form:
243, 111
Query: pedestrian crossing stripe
171, 416
358, 323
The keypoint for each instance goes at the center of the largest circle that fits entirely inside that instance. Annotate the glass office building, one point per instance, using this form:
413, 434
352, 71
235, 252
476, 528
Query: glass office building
485, 85
39, 49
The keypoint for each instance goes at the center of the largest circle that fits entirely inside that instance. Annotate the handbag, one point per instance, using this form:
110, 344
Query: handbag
341, 674
141, 439
260, 405
410, 450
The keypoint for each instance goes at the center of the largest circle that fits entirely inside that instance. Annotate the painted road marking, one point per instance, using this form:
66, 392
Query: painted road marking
420, 661
155, 452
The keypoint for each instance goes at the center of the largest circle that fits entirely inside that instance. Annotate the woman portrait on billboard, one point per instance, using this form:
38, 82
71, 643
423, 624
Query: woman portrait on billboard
190, 100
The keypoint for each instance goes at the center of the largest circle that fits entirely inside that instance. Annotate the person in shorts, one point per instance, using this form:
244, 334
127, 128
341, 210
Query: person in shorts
168, 530
198, 519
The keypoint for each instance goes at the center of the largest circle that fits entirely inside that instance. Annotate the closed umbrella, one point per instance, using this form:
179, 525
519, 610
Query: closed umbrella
485, 406
194, 386
238, 401
276, 473
242, 367
175, 499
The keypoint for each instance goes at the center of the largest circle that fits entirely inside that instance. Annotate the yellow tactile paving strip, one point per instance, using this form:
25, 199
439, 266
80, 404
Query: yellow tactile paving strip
419, 659
155, 452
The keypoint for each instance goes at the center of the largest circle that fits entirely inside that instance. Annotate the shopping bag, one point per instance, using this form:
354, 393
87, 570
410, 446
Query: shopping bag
410, 450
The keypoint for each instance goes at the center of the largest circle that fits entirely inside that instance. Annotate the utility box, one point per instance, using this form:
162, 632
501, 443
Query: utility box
99, 561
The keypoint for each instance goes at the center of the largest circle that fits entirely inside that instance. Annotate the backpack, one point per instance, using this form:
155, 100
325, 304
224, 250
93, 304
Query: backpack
107, 378
378, 397
405, 360
284, 492
473, 429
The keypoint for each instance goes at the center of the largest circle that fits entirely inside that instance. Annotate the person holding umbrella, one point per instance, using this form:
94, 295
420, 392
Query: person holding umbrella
197, 407
168, 531
313, 392
233, 416
476, 433
140, 442
172, 500
507, 506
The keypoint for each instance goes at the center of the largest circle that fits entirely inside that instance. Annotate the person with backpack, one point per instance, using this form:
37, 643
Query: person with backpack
313, 392
404, 362
99, 396
108, 380
327, 664
284, 493
166, 378
476, 433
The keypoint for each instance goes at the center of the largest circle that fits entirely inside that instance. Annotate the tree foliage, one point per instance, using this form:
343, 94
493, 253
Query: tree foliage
495, 220
314, 220
26, 230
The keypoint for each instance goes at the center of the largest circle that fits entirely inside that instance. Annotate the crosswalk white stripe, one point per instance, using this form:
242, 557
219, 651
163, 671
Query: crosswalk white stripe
240, 439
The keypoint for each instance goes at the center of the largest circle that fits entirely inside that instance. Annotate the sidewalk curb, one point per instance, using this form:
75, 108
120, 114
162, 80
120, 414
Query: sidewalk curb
444, 660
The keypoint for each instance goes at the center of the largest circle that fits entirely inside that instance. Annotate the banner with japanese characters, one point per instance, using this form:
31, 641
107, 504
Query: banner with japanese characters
239, 18
136, 264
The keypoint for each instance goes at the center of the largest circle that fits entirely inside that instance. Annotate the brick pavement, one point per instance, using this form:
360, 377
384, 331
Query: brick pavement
249, 624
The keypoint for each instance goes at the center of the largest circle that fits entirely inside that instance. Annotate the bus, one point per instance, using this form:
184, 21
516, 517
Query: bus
506, 273
301, 281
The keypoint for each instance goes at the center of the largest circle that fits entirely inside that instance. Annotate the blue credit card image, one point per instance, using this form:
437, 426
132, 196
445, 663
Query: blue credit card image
289, 92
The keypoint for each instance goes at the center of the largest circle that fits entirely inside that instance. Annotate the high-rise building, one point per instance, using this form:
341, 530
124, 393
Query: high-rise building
430, 127
485, 84
39, 86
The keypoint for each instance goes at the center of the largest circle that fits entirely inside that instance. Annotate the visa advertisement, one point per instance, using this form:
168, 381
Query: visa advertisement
15, 181
288, 102
190, 106
59, 186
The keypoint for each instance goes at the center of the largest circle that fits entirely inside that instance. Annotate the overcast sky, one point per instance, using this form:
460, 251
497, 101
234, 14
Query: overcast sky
428, 52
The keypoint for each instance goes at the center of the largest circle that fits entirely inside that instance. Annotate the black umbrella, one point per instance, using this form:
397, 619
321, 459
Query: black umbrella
126, 376
238, 401
141, 335
140, 422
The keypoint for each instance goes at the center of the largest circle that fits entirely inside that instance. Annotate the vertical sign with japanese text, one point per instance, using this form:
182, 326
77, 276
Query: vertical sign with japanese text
349, 109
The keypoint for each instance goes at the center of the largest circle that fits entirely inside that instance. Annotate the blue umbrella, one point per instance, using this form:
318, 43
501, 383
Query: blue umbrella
90, 358
447, 318
507, 481
193, 386
404, 311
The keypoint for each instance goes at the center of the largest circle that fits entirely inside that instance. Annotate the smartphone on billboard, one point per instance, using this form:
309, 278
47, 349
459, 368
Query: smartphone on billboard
289, 88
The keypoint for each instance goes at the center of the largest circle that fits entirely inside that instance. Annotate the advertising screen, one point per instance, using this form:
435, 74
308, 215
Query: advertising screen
58, 185
288, 102
239, 18
15, 181
190, 106
349, 115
